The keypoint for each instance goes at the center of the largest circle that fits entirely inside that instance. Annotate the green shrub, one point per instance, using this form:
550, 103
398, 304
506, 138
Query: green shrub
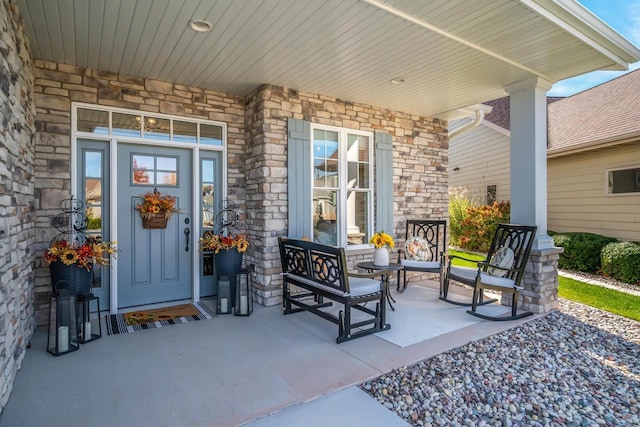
621, 260
480, 223
458, 204
581, 250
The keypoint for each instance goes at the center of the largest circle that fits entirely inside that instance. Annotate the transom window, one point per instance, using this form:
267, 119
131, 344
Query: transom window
342, 186
148, 126
623, 181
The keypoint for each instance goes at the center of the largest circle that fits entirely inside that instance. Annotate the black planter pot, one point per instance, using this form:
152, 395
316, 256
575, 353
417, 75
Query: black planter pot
76, 280
228, 263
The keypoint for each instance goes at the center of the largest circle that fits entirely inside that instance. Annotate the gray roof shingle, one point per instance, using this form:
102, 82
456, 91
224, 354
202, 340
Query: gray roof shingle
606, 112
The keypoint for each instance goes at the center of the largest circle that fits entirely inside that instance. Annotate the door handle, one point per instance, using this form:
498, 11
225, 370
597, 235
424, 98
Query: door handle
187, 232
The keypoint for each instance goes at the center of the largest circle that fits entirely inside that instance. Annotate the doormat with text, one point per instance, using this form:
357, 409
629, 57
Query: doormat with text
156, 318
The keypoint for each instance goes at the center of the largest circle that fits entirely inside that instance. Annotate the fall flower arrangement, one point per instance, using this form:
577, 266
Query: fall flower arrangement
156, 203
85, 255
382, 239
215, 242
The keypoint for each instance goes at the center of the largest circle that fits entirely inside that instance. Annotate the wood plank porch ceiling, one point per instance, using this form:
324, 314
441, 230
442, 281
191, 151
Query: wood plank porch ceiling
453, 53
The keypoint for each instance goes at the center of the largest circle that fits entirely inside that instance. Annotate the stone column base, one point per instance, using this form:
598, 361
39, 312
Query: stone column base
540, 282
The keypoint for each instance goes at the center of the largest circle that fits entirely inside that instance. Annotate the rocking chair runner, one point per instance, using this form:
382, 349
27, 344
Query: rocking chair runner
425, 245
503, 270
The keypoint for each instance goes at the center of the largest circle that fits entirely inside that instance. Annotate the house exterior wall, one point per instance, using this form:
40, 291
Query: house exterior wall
17, 213
576, 193
419, 162
58, 85
257, 140
482, 156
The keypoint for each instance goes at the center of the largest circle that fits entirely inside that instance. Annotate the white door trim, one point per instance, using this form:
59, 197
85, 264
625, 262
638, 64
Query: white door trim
113, 195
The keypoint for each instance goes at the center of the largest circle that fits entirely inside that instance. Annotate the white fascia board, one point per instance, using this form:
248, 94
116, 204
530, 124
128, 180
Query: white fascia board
587, 27
594, 145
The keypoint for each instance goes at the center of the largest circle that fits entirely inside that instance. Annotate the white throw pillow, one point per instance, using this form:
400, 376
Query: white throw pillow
504, 258
417, 249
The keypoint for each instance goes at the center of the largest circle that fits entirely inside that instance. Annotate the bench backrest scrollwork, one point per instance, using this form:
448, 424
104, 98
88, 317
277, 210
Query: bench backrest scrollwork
318, 263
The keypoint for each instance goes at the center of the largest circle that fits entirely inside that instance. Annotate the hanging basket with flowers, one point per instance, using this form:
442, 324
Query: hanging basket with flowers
156, 209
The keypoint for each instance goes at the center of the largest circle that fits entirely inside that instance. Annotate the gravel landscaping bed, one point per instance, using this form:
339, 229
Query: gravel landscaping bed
578, 366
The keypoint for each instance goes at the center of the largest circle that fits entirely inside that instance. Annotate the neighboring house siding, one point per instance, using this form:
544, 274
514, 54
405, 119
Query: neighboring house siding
576, 193
17, 208
482, 156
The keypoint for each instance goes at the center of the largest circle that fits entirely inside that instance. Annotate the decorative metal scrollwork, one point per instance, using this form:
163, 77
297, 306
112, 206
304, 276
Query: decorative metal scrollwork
72, 222
227, 219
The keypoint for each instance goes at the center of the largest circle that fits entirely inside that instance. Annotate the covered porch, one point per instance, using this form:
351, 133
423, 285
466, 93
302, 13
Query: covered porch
393, 71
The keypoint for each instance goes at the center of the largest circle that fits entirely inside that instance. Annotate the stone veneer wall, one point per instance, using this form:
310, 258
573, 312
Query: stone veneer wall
57, 85
17, 214
540, 282
420, 186
420, 147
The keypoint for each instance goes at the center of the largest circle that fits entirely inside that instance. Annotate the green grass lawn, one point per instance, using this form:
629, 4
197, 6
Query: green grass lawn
609, 300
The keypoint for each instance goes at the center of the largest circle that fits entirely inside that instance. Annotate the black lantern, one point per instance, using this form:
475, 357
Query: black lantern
224, 295
89, 328
244, 292
63, 331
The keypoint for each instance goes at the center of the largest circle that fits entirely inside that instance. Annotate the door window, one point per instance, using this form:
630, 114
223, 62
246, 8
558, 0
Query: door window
154, 170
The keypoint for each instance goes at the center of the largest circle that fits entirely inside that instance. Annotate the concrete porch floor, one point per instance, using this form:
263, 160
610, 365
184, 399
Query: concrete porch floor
225, 371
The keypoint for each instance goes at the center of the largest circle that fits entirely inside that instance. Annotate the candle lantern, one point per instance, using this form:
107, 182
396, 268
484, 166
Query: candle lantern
89, 329
63, 331
244, 292
224, 295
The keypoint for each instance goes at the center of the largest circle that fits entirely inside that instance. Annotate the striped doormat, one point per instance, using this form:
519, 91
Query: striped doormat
156, 318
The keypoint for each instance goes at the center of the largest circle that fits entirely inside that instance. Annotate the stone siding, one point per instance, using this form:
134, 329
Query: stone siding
540, 282
58, 85
17, 213
420, 148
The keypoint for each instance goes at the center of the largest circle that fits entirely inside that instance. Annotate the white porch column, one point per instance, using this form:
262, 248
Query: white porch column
529, 156
529, 192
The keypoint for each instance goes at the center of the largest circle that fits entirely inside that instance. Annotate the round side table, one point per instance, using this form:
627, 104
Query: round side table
393, 266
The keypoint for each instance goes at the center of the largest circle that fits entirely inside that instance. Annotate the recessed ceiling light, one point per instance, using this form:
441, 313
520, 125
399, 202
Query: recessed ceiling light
397, 80
200, 25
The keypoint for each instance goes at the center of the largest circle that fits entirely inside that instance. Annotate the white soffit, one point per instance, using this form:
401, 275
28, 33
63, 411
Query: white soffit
452, 53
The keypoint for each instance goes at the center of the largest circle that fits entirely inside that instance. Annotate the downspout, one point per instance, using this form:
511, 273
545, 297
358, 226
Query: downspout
479, 116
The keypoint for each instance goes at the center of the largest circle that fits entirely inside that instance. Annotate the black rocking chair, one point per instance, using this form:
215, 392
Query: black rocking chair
503, 270
425, 246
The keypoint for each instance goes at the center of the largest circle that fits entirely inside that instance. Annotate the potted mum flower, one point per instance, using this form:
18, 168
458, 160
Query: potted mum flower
156, 209
71, 263
216, 243
381, 241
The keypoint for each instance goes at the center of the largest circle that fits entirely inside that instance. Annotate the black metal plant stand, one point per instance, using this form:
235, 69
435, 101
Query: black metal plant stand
72, 284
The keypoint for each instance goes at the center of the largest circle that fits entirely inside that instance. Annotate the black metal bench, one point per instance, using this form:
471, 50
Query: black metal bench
322, 271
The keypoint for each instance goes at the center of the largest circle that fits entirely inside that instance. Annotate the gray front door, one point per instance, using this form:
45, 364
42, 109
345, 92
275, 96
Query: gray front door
154, 265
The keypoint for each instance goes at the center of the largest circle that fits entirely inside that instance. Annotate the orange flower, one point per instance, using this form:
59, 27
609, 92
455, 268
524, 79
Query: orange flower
85, 255
216, 243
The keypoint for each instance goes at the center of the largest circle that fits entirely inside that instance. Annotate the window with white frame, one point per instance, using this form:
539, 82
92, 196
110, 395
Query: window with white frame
342, 186
623, 181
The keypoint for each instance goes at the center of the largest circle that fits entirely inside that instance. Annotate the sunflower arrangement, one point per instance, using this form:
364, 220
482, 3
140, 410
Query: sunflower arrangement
155, 202
215, 242
85, 255
382, 239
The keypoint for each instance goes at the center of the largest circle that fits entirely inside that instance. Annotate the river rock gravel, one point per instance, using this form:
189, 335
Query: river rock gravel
577, 366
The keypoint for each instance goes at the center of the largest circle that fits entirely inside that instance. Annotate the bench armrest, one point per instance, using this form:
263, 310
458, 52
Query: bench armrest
486, 264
